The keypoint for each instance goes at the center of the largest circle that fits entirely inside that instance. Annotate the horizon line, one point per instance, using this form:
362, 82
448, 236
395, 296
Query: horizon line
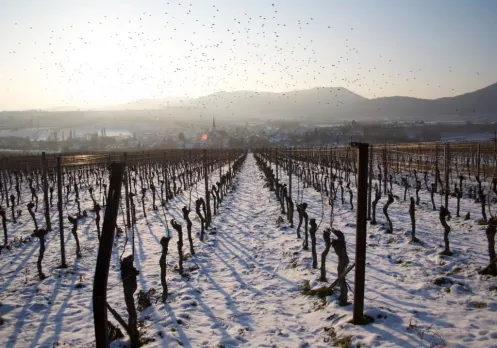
101, 108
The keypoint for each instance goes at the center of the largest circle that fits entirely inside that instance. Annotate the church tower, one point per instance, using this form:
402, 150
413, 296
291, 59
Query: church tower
213, 125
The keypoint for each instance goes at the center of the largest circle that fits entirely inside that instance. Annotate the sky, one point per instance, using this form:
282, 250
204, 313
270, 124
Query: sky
57, 53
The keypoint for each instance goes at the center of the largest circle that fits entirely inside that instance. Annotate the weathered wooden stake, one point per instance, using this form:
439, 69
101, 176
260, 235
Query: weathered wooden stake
290, 205
370, 185
4, 226
385, 172
446, 173
361, 230
104, 256
126, 191
436, 170
207, 192
4, 174
61, 213
45, 192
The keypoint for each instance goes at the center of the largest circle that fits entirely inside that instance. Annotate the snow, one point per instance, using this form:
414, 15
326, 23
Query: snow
244, 283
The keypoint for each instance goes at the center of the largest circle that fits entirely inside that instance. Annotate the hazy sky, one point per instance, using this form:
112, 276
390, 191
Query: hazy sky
96, 52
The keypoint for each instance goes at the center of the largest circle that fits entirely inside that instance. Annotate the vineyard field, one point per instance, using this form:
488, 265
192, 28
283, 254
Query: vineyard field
250, 282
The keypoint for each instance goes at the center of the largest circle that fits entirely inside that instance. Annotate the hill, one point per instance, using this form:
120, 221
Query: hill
328, 103
322, 104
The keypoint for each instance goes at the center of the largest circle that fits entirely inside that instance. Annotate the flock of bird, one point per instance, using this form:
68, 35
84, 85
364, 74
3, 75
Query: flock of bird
189, 51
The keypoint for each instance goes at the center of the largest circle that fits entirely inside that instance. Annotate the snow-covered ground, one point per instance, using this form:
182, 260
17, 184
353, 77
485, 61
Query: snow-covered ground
244, 283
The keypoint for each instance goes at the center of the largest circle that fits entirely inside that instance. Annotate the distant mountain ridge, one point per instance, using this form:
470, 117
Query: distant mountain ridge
147, 104
324, 104
480, 102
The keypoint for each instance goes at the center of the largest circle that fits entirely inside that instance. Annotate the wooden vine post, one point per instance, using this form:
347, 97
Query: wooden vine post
271, 157
4, 176
446, 173
290, 202
478, 160
397, 158
61, 213
126, 191
360, 256
229, 164
418, 159
207, 193
220, 177
370, 185
164, 171
495, 148
385, 174
330, 161
104, 256
276, 162
45, 192
435, 188
190, 166
4, 226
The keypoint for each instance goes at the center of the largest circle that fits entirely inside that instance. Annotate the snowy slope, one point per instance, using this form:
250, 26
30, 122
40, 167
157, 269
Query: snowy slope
244, 284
